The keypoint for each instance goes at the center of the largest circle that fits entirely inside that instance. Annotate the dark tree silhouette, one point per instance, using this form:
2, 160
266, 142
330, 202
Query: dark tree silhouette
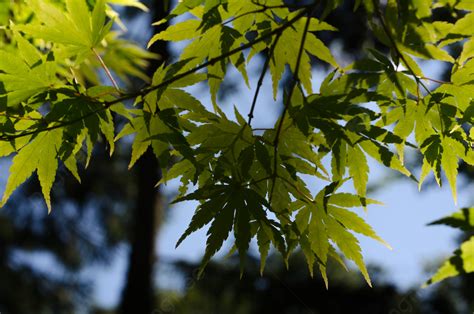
139, 288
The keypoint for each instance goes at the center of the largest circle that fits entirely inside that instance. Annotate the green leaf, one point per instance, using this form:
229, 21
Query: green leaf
358, 169
462, 219
318, 237
461, 262
384, 156
463, 26
11, 63
227, 208
339, 160
29, 53
21, 86
242, 231
130, 3
219, 230
350, 200
449, 162
351, 221
263, 241
205, 214
308, 253
85, 30
98, 30
467, 51
263, 156
140, 143
317, 48
40, 155
349, 246
286, 54
4, 11
432, 151
182, 31
71, 165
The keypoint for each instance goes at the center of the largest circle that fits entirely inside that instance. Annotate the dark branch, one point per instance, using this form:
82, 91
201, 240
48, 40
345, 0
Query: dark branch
147, 90
296, 80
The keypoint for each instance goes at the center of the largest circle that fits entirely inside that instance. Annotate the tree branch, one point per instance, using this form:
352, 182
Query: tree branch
151, 88
260, 80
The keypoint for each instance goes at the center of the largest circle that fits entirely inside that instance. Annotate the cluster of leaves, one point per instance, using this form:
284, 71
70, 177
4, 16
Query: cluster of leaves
247, 181
48, 109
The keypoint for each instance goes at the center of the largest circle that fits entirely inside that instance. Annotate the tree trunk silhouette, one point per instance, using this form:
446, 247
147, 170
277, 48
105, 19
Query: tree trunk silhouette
138, 295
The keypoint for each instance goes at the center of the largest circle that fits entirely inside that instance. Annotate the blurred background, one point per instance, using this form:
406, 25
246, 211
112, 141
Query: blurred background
108, 247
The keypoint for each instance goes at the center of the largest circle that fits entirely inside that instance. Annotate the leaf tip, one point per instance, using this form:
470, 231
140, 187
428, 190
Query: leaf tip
326, 283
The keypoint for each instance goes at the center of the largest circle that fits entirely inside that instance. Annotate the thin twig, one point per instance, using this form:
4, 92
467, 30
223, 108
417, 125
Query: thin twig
106, 69
418, 80
434, 80
286, 106
262, 76
262, 129
284, 6
149, 89
243, 15
395, 46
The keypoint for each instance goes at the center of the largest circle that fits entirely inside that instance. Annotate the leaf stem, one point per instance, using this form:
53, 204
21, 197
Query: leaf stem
107, 71
434, 80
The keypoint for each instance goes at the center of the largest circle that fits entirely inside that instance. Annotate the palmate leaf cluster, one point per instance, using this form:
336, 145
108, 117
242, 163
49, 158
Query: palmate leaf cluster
249, 183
